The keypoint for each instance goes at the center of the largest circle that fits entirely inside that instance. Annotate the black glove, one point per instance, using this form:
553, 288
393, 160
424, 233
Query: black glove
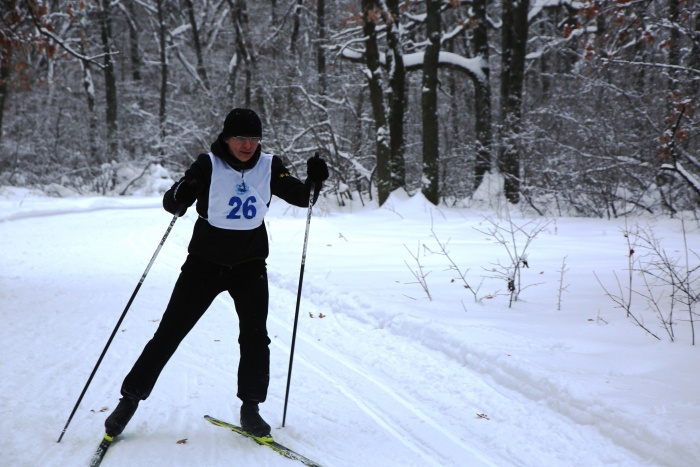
185, 192
316, 169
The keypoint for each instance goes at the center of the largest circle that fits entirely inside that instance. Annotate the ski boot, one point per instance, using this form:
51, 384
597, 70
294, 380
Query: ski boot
252, 422
117, 421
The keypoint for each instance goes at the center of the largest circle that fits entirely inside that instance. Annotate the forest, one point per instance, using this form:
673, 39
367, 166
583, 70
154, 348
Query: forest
584, 108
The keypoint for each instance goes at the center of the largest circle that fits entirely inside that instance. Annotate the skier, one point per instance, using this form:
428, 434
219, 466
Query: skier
232, 186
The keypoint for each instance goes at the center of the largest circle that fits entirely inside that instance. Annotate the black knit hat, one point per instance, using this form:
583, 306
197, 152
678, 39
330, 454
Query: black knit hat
241, 122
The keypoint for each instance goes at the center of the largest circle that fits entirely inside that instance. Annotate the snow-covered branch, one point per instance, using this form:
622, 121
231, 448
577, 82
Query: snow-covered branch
63, 44
678, 168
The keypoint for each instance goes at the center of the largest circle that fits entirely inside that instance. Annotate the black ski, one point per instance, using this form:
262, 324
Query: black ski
268, 441
101, 450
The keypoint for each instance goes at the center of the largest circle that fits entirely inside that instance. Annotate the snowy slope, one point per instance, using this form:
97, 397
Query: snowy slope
382, 375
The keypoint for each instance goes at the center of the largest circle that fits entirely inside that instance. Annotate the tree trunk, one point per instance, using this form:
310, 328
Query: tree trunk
397, 97
320, 53
431, 180
134, 55
105, 21
241, 55
5, 67
376, 95
295, 28
514, 40
89, 86
482, 96
694, 58
201, 70
162, 109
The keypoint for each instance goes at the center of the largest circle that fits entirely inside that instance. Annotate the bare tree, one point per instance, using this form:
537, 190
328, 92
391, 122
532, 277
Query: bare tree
111, 100
201, 69
482, 94
320, 45
376, 81
244, 54
430, 179
129, 9
589, 93
163, 101
16, 35
91, 99
397, 95
514, 46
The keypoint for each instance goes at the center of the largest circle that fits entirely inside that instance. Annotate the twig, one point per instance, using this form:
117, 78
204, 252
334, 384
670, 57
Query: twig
419, 274
562, 288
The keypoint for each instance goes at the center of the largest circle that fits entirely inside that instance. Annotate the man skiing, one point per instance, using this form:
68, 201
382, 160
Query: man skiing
232, 187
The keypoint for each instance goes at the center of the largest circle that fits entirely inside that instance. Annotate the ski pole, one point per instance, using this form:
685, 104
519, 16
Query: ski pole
296, 313
121, 318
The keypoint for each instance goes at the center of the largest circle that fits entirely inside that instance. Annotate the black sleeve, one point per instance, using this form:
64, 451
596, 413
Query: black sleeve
288, 187
197, 176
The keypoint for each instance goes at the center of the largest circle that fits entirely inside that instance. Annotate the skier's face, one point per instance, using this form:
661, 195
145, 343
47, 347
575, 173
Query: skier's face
243, 147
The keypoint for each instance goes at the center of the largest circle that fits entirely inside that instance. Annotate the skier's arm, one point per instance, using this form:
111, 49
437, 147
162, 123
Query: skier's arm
185, 191
293, 190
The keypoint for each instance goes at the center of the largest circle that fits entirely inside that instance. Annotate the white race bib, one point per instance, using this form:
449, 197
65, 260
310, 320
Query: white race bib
238, 200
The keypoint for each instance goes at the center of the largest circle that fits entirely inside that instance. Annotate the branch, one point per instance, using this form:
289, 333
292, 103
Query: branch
655, 65
45, 32
693, 181
676, 166
419, 274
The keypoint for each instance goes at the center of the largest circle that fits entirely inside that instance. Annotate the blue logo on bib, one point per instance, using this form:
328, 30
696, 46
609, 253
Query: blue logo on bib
242, 188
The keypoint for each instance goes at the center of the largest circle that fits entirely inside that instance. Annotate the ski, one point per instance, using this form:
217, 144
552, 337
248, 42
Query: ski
101, 450
266, 441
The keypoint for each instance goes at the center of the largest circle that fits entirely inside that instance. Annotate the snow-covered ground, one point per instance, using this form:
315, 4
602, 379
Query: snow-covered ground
382, 375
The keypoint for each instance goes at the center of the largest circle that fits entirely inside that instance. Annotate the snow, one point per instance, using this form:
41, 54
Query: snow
382, 376
474, 66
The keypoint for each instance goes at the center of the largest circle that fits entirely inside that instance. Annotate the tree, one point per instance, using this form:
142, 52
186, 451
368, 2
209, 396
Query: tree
201, 70
431, 173
13, 33
387, 83
514, 46
111, 101
129, 9
482, 93
91, 99
396, 70
20, 43
162, 108
588, 96
376, 82
243, 55
320, 44
5, 67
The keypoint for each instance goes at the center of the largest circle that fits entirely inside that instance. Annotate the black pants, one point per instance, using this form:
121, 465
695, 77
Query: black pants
199, 283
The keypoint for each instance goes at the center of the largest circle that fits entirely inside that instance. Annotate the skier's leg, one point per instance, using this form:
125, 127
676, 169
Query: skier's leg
194, 291
251, 296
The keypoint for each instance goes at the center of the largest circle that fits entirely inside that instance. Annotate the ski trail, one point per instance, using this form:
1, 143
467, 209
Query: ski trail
482, 374
394, 406
326, 366
370, 411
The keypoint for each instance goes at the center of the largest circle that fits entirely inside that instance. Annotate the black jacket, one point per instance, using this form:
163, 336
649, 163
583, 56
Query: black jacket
231, 247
